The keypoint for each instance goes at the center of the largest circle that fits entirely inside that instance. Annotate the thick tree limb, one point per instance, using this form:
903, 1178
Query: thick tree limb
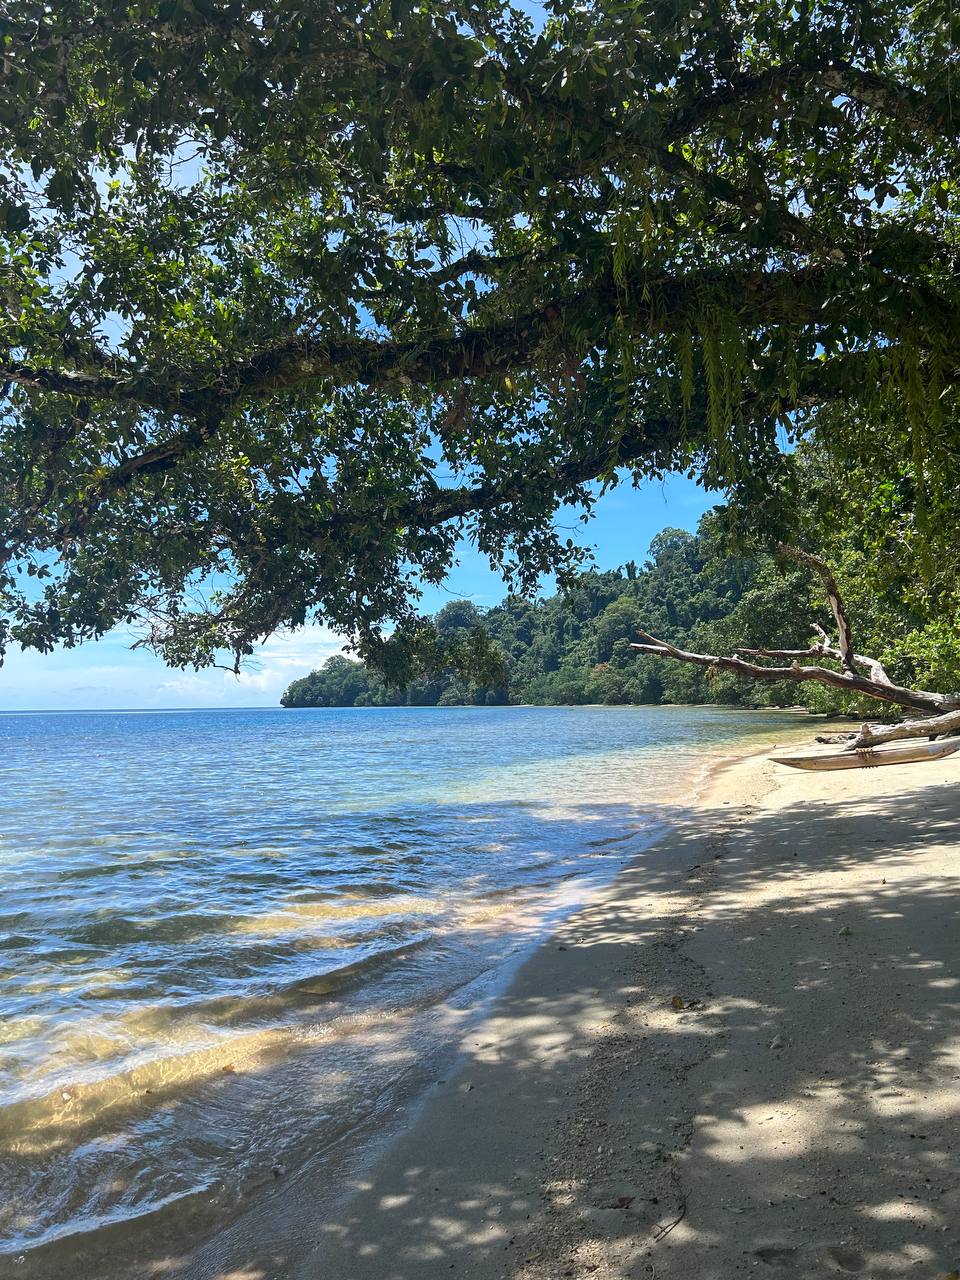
660, 152
889, 97
817, 383
125, 386
656, 307
162, 457
886, 96
833, 598
848, 681
508, 346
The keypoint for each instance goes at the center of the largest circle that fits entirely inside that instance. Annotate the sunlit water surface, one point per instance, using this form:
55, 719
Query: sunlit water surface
227, 936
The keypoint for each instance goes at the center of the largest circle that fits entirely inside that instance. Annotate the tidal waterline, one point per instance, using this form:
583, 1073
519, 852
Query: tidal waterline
227, 938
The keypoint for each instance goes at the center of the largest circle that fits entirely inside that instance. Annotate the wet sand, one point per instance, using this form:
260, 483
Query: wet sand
744, 1055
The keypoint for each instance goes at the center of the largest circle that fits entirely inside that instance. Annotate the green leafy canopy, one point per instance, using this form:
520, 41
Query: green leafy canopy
294, 296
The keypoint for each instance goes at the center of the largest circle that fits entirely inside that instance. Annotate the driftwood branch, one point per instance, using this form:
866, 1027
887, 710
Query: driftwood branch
934, 727
940, 711
834, 599
849, 681
824, 649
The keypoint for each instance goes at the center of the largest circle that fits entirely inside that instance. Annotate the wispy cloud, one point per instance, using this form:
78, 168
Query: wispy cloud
109, 674
282, 658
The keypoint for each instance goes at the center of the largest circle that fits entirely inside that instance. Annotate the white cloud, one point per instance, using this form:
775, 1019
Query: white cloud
109, 674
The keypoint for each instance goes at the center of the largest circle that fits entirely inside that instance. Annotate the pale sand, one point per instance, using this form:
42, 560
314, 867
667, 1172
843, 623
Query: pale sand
797, 1116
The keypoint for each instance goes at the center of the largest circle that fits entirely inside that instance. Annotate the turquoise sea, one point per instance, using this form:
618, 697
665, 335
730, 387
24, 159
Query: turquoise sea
229, 938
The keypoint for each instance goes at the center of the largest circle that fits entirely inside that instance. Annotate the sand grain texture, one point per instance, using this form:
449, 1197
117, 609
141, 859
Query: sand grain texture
741, 1057
797, 1116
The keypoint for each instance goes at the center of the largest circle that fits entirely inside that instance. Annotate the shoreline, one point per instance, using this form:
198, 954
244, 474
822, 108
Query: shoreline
581, 1128
167, 1239
796, 1113
128, 1246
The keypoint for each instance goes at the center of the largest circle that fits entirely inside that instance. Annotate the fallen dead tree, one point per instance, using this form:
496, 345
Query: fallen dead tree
858, 674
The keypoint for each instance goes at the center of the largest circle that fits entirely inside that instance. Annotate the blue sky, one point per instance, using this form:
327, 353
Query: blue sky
109, 674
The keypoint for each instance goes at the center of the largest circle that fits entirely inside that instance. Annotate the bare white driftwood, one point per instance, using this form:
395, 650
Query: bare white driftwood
857, 674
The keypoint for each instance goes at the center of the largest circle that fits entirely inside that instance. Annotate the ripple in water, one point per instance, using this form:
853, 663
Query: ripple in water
226, 938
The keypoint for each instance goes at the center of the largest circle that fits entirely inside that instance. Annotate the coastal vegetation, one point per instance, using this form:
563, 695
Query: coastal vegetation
900, 577
573, 647
296, 300
296, 297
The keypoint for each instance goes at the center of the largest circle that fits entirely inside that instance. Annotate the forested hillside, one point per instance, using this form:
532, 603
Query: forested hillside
712, 591
574, 647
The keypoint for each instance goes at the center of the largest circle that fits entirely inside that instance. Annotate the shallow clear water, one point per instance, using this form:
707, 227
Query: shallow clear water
226, 936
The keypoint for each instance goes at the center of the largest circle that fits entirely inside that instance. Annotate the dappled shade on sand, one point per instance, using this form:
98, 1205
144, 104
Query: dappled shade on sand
744, 1054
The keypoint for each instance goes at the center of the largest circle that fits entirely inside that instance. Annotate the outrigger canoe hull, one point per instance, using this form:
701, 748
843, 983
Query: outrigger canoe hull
870, 758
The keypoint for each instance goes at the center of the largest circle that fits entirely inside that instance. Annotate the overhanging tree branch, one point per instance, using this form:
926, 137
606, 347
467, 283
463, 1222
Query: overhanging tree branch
883, 94
847, 681
657, 205
941, 710
654, 435
650, 307
824, 649
834, 599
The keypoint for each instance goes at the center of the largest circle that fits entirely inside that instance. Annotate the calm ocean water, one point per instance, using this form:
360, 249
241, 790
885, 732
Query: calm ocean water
227, 937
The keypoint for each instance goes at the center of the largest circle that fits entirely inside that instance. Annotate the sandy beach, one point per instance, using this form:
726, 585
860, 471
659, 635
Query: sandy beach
797, 1114
744, 1055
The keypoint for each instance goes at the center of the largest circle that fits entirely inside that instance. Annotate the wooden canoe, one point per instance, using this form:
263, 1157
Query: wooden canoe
871, 757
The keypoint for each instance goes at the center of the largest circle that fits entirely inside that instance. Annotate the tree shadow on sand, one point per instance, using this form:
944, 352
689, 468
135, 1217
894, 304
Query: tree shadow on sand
645, 1100
729, 1133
